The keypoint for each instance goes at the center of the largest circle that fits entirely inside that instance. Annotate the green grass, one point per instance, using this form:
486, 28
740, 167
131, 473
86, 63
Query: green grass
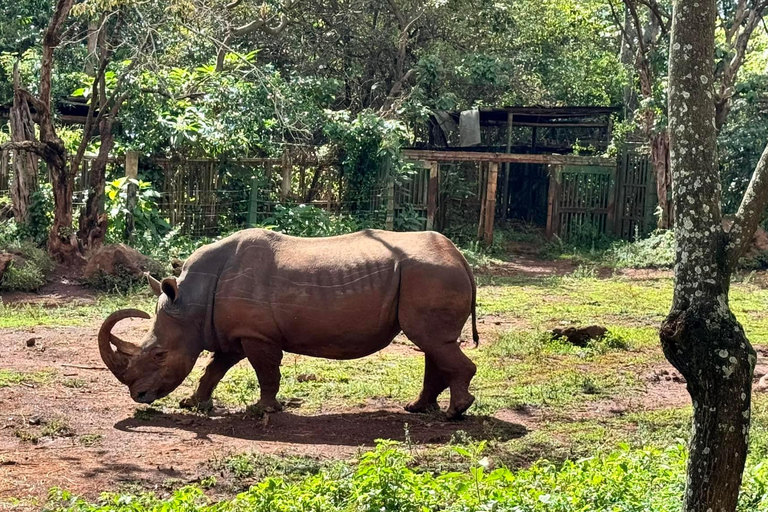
14, 378
14, 316
89, 440
57, 428
248, 468
620, 302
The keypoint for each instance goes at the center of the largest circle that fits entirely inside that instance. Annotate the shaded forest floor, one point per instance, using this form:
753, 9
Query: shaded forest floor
66, 422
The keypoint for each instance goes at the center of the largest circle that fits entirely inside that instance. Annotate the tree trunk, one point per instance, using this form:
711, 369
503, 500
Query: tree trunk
24, 162
62, 240
701, 337
628, 58
93, 220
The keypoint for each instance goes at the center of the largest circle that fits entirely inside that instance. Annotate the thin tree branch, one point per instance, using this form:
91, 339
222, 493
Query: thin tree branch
750, 212
664, 18
264, 25
33, 146
619, 23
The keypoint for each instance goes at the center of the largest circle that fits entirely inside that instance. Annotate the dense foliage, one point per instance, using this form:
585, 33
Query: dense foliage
624, 481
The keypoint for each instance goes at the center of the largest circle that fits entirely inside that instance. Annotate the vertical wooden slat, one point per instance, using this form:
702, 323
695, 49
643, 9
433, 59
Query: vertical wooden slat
551, 201
434, 170
482, 180
507, 169
390, 221
285, 185
490, 202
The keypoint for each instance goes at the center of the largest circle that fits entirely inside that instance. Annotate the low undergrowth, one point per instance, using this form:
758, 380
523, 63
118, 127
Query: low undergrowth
29, 269
626, 480
655, 251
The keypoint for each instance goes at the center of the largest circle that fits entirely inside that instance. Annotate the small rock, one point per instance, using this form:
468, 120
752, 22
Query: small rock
35, 420
762, 384
31, 342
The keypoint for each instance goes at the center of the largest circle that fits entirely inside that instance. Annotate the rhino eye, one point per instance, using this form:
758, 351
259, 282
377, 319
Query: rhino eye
159, 355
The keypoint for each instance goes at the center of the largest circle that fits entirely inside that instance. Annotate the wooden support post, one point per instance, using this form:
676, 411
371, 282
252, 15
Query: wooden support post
131, 200
490, 202
481, 193
507, 170
390, 222
552, 214
432, 192
285, 185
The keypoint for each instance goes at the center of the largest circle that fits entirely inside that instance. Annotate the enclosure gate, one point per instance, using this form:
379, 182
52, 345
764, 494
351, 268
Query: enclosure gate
637, 195
581, 200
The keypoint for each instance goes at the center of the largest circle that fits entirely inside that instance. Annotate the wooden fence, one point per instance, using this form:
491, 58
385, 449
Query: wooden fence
207, 196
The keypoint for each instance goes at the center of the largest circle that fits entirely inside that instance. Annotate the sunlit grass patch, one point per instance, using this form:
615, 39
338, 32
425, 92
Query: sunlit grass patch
14, 377
334, 384
245, 469
76, 313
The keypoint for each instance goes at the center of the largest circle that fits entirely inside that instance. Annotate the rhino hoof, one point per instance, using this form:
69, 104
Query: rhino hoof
193, 403
456, 412
261, 407
417, 407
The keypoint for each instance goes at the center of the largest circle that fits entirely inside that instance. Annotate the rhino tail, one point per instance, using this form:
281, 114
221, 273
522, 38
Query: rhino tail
475, 335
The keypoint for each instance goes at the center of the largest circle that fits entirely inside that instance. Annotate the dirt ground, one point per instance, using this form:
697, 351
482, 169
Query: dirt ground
177, 446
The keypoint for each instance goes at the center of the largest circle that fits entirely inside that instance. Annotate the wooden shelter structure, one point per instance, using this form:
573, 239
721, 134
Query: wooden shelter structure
539, 165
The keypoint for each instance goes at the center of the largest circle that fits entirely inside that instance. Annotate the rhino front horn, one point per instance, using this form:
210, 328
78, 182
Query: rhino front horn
117, 361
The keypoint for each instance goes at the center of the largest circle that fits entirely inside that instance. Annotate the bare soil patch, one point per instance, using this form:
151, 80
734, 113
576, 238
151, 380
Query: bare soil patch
63, 287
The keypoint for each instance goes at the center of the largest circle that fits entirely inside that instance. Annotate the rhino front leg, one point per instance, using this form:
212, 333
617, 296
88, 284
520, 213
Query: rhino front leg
218, 367
265, 357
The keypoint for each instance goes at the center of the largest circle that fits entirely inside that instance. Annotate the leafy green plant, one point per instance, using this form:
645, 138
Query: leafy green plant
310, 221
655, 251
40, 215
625, 480
409, 219
149, 224
370, 151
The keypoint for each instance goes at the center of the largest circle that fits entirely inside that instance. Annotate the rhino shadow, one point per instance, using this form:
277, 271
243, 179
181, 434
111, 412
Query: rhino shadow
345, 429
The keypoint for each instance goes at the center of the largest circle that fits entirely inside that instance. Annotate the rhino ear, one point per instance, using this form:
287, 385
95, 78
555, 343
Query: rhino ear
154, 284
170, 288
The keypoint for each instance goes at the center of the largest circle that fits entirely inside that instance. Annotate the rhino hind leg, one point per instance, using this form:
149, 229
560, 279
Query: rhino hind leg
454, 366
434, 384
219, 365
265, 358
459, 370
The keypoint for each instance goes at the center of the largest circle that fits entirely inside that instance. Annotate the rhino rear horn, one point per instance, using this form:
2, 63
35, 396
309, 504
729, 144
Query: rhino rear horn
117, 361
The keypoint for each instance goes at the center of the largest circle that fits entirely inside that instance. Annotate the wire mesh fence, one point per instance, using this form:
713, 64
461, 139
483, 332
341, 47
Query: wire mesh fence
206, 197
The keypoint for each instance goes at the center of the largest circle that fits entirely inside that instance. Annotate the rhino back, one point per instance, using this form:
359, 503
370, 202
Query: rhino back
331, 297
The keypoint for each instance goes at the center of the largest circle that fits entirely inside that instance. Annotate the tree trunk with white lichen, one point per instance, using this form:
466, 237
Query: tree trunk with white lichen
701, 337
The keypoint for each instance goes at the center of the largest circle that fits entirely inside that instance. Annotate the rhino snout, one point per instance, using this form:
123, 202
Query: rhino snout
144, 397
